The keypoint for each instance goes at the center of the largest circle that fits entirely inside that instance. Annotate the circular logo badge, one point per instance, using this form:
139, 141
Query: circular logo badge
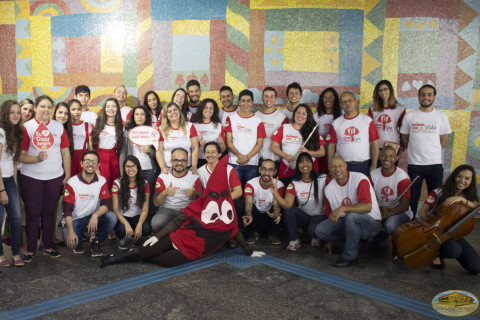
455, 303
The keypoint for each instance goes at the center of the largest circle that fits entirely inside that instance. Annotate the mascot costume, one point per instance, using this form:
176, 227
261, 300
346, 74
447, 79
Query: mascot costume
201, 229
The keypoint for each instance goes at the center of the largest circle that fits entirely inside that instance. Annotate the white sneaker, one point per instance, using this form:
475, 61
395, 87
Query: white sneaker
315, 242
294, 245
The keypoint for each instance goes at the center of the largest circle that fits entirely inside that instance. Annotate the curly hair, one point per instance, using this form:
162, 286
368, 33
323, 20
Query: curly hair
313, 144
449, 188
13, 132
215, 118
100, 125
125, 182
321, 110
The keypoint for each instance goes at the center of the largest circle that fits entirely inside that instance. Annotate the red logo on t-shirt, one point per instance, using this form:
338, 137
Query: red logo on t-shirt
351, 132
346, 202
383, 120
386, 192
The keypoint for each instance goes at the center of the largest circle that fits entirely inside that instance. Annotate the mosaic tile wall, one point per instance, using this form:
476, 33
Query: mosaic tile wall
49, 47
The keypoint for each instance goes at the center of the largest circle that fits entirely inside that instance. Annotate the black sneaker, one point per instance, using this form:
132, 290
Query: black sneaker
78, 248
54, 254
252, 238
28, 257
95, 248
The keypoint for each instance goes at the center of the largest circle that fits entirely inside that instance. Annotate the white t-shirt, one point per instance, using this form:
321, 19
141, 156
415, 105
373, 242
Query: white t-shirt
353, 136
357, 189
181, 184
204, 173
388, 188
209, 132
262, 198
304, 194
271, 122
80, 134
107, 138
7, 160
324, 123
223, 114
387, 123
142, 157
125, 111
245, 132
177, 139
133, 209
424, 130
288, 114
52, 167
89, 116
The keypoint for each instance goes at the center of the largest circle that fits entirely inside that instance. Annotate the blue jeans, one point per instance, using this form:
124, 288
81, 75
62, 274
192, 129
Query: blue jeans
297, 218
461, 250
133, 221
433, 175
245, 173
347, 232
13, 213
392, 223
362, 167
105, 224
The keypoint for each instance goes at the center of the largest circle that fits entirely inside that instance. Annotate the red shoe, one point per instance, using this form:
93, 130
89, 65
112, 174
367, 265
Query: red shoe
18, 262
5, 263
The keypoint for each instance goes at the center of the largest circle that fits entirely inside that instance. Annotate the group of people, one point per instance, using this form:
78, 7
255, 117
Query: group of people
332, 173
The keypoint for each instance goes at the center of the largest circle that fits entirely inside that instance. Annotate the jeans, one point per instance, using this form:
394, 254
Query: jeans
392, 223
245, 173
133, 221
13, 213
433, 175
362, 167
297, 218
347, 232
461, 250
262, 222
162, 217
105, 224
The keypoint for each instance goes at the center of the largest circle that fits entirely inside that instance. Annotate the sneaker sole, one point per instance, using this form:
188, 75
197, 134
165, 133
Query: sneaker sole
55, 257
294, 249
97, 255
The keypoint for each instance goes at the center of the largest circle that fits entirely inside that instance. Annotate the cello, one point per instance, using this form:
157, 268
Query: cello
418, 243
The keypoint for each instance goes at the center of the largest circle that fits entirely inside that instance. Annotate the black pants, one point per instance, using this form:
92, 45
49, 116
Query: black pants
163, 253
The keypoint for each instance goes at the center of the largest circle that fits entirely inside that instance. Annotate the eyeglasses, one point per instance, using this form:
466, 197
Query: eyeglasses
179, 160
272, 170
88, 161
133, 166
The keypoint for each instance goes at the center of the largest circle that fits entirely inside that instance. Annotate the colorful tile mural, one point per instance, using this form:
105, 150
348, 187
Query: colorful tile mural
49, 47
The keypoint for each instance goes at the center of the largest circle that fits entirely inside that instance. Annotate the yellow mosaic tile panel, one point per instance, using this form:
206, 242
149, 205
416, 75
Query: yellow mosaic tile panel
7, 12
238, 22
146, 74
390, 50
41, 47
111, 55
313, 51
27, 49
460, 125
24, 7
198, 27
326, 4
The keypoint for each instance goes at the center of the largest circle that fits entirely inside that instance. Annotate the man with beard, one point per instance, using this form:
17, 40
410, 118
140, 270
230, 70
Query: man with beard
261, 209
228, 109
194, 92
174, 190
87, 206
352, 210
120, 94
424, 133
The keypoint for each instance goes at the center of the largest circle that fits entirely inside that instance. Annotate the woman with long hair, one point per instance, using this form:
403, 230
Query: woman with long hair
328, 109
10, 147
151, 102
387, 114
26, 109
42, 176
180, 97
175, 132
288, 140
80, 130
144, 154
307, 189
130, 198
461, 187
209, 128
107, 138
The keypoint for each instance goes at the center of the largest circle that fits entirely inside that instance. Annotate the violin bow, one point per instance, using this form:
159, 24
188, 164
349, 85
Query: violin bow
397, 199
303, 145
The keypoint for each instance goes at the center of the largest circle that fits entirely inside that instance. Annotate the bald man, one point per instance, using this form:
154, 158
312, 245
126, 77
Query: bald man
352, 211
354, 137
120, 93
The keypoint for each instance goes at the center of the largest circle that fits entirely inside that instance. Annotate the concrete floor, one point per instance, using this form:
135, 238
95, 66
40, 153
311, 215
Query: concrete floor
230, 285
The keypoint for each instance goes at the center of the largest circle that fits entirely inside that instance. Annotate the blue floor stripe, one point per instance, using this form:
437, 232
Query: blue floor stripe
236, 258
